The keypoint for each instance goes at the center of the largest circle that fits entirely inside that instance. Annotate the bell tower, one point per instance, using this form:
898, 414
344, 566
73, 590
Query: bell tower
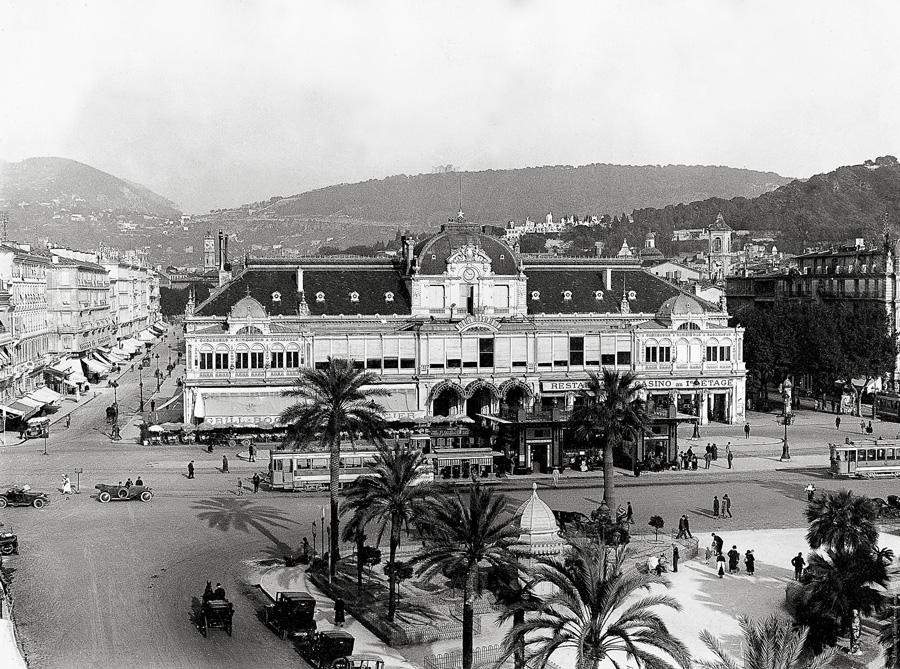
719, 256
209, 251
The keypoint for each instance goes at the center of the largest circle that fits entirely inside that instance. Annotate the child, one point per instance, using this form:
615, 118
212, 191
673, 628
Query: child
720, 565
708, 554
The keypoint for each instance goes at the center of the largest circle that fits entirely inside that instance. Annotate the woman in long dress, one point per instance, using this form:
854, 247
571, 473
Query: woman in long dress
67, 485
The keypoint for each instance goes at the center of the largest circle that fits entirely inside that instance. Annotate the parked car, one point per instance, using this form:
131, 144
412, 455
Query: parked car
121, 492
23, 496
9, 542
292, 614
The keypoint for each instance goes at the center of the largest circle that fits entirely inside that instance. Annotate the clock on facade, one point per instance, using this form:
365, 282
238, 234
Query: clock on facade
469, 274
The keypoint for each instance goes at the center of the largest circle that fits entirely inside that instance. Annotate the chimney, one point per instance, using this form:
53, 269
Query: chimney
608, 280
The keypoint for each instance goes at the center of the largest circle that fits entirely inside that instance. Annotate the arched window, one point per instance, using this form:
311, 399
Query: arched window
689, 326
242, 357
257, 357
220, 359
205, 357
292, 358
276, 358
249, 330
717, 245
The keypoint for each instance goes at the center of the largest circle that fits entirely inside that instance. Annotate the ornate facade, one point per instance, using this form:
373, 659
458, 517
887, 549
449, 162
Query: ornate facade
459, 324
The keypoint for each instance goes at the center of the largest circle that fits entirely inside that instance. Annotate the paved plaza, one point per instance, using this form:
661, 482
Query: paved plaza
119, 581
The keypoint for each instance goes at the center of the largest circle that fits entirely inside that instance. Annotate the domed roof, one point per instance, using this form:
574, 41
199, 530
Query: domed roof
536, 520
455, 236
680, 305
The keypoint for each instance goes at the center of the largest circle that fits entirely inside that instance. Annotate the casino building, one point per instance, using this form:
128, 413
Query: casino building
461, 325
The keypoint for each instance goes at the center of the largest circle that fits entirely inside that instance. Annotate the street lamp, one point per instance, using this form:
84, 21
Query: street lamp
787, 418
141, 386
115, 384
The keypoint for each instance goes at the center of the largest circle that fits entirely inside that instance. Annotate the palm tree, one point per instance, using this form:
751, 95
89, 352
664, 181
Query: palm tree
332, 401
841, 520
772, 643
596, 611
613, 411
835, 583
355, 531
468, 538
393, 494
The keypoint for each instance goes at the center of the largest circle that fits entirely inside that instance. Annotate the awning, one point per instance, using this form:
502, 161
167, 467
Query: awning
400, 405
103, 359
72, 369
145, 335
95, 366
25, 410
12, 412
456, 456
45, 395
27, 401
242, 409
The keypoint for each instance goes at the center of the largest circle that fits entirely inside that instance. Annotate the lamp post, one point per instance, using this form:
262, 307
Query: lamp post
786, 391
141, 387
115, 384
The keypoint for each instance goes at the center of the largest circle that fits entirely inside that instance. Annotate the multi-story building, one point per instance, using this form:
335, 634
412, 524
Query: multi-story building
24, 277
78, 306
459, 324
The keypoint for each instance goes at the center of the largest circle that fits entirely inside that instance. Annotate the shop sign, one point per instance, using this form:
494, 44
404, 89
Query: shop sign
562, 386
687, 384
241, 420
403, 415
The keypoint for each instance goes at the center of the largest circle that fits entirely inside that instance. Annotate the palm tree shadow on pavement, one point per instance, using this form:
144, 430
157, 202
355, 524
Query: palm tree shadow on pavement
243, 515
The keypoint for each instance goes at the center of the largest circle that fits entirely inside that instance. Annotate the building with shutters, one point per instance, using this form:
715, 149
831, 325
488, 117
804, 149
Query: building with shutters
459, 324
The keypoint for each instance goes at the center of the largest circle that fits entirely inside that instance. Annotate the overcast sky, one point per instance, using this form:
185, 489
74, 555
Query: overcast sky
212, 104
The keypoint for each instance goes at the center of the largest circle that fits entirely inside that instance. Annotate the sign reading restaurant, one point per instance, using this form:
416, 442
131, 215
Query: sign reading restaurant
649, 384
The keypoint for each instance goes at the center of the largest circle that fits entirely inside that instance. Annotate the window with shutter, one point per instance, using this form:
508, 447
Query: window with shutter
391, 353
436, 353
561, 351
321, 351
591, 350
454, 352
407, 353
518, 351
544, 351
502, 350
470, 351
357, 348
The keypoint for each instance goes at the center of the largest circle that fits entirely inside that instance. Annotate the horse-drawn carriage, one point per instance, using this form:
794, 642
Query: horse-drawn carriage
121, 492
215, 611
292, 614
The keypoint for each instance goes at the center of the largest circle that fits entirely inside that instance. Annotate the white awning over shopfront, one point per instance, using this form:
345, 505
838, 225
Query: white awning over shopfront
71, 367
45, 395
241, 409
145, 335
95, 366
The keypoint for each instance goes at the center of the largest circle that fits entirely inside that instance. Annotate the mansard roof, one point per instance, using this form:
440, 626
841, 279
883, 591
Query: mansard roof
457, 235
552, 284
275, 288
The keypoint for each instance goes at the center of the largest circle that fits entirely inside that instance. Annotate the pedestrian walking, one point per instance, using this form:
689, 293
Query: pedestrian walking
152, 405
718, 542
191, 469
837, 422
687, 526
730, 459
706, 458
727, 449
67, 485
869, 428
746, 430
224, 464
68, 420
726, 506
339, 615
256, 481
749, 562
716, 506
715, 451
694, 463
629, 515
734, 558
681, 531
240, 490
555, 477
674, 557
810, 492
252, 453
798, 563
862, 427
720, 565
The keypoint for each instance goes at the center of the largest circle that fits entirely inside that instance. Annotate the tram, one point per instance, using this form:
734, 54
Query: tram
866, 458
887, 406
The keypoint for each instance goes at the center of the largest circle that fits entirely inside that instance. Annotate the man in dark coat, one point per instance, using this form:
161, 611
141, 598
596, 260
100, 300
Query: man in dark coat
733, 559
798, 564
674, 557
687, 526
224, 464
718, 542
256, 481
681, 531
716, 506
191, 469
726, 506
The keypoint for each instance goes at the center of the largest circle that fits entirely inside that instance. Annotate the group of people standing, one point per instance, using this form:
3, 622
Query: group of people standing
688, 459
733, 558
722, 509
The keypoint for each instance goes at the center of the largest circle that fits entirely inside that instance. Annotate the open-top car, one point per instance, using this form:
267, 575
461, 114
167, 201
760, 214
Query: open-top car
23, 496
292, 614
121, 492
9, 542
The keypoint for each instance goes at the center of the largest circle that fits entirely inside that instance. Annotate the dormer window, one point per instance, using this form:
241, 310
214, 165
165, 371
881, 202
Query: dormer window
433, 257
354, 296
567, 295
535, 294
320, 296
388, 297
502, 257
632, 295
598, 295
864, 268
276, 296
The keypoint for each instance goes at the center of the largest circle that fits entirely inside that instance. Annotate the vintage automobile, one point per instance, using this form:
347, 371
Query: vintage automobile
37, 428
358, 662
121, 492
9, 542
292, 614
330, 649
23, 496
216, 613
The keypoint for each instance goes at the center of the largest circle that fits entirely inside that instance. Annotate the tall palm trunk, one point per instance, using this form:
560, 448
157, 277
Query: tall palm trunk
360, 547
519, 655
468, 620
334, 479
392, 561
608, 473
